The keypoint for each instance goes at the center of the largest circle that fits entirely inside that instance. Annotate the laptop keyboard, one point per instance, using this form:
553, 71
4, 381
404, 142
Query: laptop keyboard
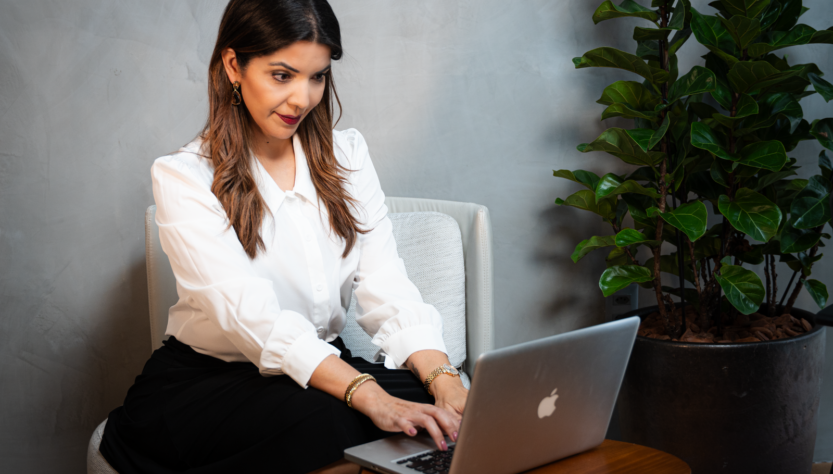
433, 462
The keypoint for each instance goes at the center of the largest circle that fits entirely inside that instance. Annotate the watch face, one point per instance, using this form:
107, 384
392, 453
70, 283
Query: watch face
450, 369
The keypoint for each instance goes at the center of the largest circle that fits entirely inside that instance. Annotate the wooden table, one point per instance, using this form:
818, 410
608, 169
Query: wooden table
613, 457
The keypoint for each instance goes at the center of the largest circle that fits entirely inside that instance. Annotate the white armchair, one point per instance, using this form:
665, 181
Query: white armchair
451, 265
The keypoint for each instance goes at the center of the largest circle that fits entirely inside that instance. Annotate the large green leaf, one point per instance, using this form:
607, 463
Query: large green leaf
745, 8
743, 288
632, 93
678, 40
680, 16
658, 133
627, 237
823, 131
786, 105
743, 30
745, 107
704, 138
621, 276
748, 76
811, 207
823, 36
801, 34
818, 291
788, 16
824, 88
751, 213
587, 178
767, 180
614, 58
691, 218
767, 155
628, 8
709, 31
591, 244
618, 143
637, 205
656, 34
623, 110
641, 136
611, 185
586, 200
697, 81
797, 240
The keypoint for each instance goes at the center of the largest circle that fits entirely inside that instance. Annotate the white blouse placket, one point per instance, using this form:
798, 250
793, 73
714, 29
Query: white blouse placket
315, 263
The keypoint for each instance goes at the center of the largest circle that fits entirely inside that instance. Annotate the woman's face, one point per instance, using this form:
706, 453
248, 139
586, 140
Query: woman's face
280, 89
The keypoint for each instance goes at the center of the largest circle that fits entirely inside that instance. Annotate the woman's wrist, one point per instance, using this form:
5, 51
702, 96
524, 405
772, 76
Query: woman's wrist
444, 383
367, 396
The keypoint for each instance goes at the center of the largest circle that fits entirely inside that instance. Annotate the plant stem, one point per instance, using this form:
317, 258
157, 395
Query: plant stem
800, 282
672, 328
768, 281
774, 287
787, 289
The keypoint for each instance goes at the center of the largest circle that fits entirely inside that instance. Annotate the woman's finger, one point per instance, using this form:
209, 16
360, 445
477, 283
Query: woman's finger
406, 427
430, 425
445, 419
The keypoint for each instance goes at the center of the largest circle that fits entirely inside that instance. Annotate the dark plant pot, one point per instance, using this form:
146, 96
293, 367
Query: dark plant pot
726, 408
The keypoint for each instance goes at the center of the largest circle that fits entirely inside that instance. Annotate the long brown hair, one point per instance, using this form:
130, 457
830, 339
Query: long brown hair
254, 28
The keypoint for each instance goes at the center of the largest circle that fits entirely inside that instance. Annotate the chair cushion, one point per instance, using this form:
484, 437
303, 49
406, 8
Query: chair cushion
432, 249
96, 464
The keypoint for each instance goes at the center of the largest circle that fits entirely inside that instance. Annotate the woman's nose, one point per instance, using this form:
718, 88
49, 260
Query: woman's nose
299, 99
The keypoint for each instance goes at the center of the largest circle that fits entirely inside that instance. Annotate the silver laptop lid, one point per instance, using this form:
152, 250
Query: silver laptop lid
543, 400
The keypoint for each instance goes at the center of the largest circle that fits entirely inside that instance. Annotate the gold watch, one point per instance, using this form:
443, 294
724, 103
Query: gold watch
443, 369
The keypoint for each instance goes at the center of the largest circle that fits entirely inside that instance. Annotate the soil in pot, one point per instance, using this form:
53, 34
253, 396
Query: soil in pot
755, 327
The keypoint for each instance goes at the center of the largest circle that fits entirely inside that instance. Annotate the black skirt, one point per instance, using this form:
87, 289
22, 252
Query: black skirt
192, 413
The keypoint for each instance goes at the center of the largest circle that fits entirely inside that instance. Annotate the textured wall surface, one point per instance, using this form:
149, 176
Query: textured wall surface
469, 100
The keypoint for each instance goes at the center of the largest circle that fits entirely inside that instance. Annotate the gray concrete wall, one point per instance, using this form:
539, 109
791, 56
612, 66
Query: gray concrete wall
462, 100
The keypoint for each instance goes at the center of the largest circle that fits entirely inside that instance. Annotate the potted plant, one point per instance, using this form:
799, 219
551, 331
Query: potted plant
727, 375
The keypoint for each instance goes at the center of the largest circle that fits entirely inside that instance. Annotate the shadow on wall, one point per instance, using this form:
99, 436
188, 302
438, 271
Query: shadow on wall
577, 298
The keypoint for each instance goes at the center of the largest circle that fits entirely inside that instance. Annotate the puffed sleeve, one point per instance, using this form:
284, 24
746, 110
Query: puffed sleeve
389, 306
214, 273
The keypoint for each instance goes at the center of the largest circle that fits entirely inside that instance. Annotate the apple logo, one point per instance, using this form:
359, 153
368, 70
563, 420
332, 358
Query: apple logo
547, 405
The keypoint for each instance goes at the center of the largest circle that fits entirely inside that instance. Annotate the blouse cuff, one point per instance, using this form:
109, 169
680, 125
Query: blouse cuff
398, 346
294, 350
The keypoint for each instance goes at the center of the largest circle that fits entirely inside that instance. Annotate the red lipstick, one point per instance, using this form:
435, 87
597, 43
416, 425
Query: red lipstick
290, 119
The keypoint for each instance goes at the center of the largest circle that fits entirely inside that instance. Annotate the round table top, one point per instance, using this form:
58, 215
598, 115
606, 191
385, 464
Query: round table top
614, 457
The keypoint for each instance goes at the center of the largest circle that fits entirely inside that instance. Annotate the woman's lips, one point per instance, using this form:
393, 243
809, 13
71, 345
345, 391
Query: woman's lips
290, 119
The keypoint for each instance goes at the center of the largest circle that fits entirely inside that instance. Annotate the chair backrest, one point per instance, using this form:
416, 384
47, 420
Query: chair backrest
476, 236
431, 246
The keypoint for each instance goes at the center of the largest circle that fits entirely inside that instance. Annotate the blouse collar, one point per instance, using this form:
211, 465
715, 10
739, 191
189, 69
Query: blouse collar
272, 193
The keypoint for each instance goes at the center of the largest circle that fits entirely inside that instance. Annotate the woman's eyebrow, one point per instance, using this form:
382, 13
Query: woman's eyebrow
281, 63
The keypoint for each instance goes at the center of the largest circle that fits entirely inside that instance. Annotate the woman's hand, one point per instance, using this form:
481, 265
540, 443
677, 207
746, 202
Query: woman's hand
450, 395
394, 414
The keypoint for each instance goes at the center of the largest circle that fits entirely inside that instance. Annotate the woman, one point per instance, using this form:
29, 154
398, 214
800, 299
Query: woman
269, 219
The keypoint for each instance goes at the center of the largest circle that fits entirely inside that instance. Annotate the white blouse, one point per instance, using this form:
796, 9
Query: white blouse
280, 309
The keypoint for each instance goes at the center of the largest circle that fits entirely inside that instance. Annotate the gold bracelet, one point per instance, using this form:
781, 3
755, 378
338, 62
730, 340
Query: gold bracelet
360, 379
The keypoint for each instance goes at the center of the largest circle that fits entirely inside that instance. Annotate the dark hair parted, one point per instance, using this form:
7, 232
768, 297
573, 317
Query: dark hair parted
254, 28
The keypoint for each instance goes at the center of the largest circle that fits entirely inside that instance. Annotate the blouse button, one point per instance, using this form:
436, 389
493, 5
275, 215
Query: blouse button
319, 287
321, 331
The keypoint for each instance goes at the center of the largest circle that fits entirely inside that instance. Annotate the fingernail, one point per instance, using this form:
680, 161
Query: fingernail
454, 436
443, 446
412, 431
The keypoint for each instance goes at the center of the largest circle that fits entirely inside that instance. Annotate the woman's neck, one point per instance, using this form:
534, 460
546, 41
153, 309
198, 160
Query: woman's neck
271, 149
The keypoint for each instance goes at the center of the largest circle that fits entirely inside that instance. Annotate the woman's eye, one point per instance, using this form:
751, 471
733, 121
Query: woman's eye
319, 78
281, 77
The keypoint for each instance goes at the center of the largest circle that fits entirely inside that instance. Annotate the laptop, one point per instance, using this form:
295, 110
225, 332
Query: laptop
529, 405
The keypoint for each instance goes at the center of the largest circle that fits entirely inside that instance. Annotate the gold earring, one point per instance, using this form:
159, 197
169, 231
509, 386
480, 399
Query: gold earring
236, 98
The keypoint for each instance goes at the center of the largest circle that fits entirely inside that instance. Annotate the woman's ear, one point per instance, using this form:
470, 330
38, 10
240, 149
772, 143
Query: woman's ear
231, 66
